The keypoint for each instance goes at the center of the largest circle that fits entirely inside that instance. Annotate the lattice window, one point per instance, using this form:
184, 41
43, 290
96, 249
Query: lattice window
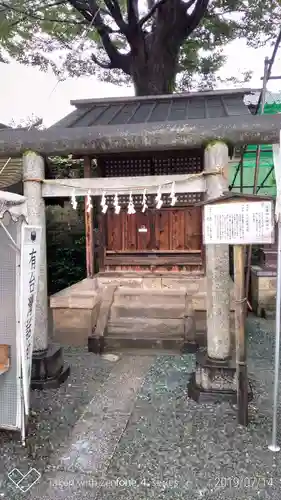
127, 167
181, 165
157, 164
183, 199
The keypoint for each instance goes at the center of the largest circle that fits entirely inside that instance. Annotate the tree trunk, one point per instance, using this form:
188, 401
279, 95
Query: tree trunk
154, 79
155, 55
155, 73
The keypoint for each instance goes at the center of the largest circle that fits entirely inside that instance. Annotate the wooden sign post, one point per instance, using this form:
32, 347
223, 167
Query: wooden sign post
239, 220
241, 346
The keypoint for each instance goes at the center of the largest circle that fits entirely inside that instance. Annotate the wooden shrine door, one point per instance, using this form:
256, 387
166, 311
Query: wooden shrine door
178, 229
170, 237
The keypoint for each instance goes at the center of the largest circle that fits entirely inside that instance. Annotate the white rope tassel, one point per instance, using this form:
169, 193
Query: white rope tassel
173, 195
158, 199
144, 200
131, 207
89, 204
74, 201
116, 205
103, 204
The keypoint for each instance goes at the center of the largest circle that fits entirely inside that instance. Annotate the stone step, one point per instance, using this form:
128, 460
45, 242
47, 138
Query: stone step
149, 296
119, 342
122, 290
139, 310
136, 327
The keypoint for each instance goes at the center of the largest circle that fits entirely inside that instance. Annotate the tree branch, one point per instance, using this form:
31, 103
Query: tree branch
31, 15
150, 13
133, 12
116, 58
194, 19
101, 64
82, 9
55, 4
115, 12
189, 4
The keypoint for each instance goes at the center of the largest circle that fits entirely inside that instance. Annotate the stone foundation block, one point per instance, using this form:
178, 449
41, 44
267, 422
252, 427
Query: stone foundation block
148, 282
263, 291
214, 381
73, 326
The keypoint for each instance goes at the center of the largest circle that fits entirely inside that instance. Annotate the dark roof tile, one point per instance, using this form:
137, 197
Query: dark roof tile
169, 108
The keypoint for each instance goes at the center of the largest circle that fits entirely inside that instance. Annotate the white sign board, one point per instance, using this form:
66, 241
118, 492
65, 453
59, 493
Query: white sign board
30, 268
239, 223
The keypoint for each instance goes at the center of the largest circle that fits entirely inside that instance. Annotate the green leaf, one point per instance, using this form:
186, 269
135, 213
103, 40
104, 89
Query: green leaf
33, 30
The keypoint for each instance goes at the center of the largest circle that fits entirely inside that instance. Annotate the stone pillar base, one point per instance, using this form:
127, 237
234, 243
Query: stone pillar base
214, 381
48, 368
190, 347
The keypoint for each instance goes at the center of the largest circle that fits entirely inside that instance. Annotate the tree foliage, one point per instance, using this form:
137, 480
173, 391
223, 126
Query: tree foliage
66, 254
28, 122
156, 43
66, 243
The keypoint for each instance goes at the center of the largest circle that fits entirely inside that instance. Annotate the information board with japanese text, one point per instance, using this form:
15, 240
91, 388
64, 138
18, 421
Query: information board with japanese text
239, 223
30, 268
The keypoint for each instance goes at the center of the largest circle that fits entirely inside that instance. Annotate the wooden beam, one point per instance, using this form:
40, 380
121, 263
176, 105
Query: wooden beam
241, 350
153, 260
122, 185
237, 130
89, 226
102, 230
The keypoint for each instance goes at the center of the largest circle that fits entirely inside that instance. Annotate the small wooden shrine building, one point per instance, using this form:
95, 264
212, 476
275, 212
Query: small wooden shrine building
167, 239
154, 253
155, 157
153, 285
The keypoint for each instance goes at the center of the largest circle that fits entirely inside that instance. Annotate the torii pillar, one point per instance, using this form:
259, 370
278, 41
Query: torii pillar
48, 370
214, 378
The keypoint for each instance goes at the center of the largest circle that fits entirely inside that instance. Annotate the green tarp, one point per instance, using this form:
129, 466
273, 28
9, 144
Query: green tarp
266, 173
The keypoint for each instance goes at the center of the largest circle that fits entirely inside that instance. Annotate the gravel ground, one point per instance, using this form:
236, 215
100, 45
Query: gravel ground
53, 416
171, 447
175, 448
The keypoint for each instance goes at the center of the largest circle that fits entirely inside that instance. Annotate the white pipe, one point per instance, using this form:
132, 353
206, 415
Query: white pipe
274, 446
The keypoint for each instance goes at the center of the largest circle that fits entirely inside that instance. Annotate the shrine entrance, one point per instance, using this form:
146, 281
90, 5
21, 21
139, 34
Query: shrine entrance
165, 239
162, 238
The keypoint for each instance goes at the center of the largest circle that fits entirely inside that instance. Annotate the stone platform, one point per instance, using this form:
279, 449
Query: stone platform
141, 309
263, 291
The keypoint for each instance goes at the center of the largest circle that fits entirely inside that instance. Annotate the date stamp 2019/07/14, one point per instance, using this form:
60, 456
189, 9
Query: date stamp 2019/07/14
243, 482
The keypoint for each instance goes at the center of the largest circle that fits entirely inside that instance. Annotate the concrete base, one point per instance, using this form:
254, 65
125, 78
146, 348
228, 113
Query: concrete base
96, 344
190, 348
119, 343
48, 369
146, 306
74, 313
214, 381
201, 395
263, 291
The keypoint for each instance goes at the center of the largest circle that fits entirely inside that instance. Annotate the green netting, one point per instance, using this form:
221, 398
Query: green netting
266, 177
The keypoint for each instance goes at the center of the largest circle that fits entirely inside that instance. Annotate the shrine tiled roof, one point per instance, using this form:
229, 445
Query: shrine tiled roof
152, 109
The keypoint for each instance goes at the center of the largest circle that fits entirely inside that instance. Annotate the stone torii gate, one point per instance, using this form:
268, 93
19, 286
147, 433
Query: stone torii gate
215, 135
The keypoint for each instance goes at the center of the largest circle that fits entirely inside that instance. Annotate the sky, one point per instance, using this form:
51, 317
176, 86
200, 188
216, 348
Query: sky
26, 91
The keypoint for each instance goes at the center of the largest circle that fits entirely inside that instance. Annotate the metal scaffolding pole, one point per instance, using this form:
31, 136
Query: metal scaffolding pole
268, 64
277, 165
256, 175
